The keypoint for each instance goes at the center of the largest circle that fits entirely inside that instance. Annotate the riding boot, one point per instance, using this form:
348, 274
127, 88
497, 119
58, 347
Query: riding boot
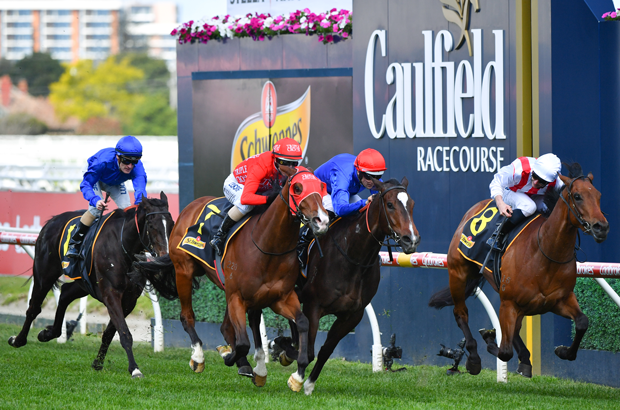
305, 237
75, 244
219, 239
503, 228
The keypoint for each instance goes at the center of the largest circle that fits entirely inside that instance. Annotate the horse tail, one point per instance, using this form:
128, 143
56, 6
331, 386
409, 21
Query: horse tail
159, 272
443, 298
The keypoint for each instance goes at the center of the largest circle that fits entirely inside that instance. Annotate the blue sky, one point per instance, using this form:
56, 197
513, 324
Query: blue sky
196, 9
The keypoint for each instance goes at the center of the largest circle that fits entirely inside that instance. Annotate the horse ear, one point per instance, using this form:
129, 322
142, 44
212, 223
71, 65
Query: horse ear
590, 176
564, 179
404, 182
380, 186
163, 196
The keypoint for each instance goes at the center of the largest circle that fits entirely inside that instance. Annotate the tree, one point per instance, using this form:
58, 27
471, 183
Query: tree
153, 117
86, 91
156, 74
39, 70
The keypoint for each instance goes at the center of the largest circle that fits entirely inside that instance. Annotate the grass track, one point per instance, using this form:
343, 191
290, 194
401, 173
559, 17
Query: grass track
59, 376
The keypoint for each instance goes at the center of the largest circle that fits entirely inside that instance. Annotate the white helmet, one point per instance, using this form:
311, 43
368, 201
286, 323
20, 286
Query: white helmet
547, 167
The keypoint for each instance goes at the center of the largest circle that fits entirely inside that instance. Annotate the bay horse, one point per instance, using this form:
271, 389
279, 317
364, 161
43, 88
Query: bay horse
346, 278
538, 273
260, 266
145, 227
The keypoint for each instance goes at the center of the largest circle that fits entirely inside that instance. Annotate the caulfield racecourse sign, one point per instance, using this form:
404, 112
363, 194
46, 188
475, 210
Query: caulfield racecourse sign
418, 110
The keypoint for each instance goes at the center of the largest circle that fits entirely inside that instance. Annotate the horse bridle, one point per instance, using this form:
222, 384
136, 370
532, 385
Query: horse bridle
572, 207
392, 235
149, 247
298, 215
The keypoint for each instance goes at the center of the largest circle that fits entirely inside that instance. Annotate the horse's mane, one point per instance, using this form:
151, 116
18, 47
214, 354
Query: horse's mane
356, 215
552, 195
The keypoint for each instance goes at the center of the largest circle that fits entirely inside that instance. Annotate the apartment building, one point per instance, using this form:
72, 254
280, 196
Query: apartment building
71, 30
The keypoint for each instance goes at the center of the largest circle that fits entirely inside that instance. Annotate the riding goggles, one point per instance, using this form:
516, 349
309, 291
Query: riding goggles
286, 162
539, 179
129, 160
364, 175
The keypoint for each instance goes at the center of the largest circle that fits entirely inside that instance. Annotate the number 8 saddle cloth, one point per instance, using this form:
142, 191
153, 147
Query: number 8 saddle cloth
480, 227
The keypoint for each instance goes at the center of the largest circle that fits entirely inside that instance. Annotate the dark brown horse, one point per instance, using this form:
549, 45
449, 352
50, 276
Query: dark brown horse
260, 267
346, 279
145, 227
538, 271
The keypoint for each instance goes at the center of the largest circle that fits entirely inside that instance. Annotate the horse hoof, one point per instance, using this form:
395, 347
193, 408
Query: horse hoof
224, 351
245, 371
488, 335
259, 381
137, 374
525, 370
562, 353
284, 359
97, 365
12, 341
473, 368
196, 367
294, 383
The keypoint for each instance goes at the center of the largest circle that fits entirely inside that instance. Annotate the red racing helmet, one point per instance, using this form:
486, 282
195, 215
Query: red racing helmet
371, 162
287, 149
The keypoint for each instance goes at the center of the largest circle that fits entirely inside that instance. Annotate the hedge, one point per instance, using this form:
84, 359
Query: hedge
603, 313
209, 304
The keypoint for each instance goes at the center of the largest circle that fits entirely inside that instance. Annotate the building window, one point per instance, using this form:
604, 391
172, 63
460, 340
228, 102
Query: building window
18, 37
59, 49
58, 12
19, 12
19, 24
98, 49
97, 37
140, 10
66, 25
19, 49
58, 37
93, 24
98, 12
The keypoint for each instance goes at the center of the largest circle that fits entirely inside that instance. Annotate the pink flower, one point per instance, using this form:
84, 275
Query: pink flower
345, 34
613, 15
329, 38
335, 28
320, 37
325, 24
174, 32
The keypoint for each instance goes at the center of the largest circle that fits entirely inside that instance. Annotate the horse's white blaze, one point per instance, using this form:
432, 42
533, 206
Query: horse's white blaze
166, 236
259, 357
309, 387
404, 198
197, 353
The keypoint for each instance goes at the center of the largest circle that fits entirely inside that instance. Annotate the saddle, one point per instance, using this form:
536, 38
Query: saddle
478, 229
196, 240
81, 269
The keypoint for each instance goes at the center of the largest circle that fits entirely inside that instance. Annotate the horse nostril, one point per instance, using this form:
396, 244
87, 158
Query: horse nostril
601, 228
406, 239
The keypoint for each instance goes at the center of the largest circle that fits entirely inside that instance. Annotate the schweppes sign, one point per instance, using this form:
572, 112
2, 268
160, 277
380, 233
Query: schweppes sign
292, 121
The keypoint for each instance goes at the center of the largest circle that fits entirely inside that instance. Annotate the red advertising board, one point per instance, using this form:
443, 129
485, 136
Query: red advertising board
30, 210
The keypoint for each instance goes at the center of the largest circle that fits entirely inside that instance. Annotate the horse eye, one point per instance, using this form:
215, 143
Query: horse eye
577, 197
390, 205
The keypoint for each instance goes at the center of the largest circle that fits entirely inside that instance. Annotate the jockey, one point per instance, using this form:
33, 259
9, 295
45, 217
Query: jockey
345, 176
250, 178
519, 189
107, 171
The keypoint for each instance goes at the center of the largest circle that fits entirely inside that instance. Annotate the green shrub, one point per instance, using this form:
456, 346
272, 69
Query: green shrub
209, 304
604, 328
21, 124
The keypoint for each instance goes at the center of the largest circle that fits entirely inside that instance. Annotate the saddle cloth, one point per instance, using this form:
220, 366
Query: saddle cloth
76, 269
479, 228
197, 237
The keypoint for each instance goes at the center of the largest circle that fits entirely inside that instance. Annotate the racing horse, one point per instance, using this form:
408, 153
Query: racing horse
539, 272
346, 279
260, 267
145, 227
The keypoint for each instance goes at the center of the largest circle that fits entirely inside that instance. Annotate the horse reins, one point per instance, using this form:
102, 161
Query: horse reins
298, 215
572, 207
148, 247
392, 235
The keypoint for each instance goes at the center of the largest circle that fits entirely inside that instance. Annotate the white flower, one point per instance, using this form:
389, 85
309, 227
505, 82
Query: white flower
268, 21
304, 25
303, 19
343, 23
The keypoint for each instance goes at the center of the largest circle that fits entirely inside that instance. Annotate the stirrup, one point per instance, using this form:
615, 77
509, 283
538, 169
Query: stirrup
216, 243
73, 253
